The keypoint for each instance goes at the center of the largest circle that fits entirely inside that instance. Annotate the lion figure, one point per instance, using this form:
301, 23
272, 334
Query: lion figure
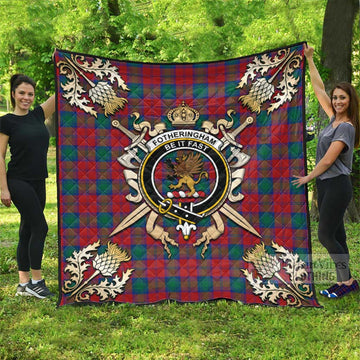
185, 168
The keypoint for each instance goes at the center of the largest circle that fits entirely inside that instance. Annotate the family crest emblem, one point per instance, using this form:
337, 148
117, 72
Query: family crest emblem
184, 174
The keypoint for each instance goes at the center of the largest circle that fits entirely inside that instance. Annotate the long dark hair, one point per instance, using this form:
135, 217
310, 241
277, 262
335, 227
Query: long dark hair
353, 109
15, 81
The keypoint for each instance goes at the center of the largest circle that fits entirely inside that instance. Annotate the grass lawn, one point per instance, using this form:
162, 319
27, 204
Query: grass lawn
222, 330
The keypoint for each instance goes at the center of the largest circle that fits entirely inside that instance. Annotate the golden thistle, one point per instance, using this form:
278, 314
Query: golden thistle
259, 93
265, 264
103, 94
108, 262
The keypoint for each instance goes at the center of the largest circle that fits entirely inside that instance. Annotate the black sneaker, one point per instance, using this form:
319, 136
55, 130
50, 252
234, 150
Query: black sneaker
20, 291
39, 290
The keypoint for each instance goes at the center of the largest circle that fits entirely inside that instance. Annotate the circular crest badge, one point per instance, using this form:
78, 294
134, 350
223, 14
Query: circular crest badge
185, 178
184, 175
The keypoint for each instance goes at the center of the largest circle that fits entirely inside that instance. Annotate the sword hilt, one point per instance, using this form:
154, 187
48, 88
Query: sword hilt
229, 138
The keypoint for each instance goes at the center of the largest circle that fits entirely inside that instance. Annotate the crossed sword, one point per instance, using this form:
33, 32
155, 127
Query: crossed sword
143, 209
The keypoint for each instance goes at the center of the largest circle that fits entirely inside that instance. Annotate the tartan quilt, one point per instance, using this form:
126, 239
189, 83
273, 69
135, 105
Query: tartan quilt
174, 180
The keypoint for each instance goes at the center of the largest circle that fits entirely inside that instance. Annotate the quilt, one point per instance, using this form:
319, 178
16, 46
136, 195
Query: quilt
174, 180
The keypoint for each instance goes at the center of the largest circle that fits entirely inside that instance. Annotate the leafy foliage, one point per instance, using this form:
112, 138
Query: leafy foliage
157, 31
139, 30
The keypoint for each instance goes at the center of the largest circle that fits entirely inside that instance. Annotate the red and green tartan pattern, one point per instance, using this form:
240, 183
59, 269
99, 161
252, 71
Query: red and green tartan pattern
92, 186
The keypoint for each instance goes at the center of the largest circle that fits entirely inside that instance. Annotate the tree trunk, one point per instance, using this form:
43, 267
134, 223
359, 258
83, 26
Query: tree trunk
113, 31
51, 125
337, 40
336, 53
314, 212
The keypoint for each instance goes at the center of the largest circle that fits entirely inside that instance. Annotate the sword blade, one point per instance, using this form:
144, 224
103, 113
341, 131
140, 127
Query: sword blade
134, 216
233, 215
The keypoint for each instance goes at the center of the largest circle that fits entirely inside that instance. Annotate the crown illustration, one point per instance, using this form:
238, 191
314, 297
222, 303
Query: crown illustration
183, 115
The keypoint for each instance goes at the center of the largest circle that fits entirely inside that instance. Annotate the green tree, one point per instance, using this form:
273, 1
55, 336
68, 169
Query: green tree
157, 31
26, 41
143, 30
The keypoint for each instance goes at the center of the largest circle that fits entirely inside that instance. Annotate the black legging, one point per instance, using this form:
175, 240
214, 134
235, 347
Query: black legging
334, 196
29, 197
